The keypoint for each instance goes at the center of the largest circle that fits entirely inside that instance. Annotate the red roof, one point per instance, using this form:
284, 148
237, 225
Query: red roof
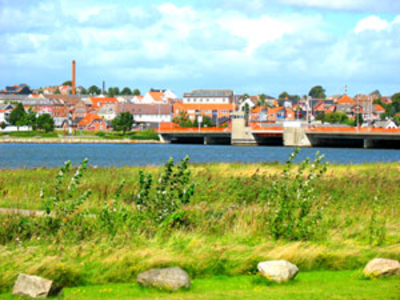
98, 102
89, 119
379, 108
157, 96
345, 100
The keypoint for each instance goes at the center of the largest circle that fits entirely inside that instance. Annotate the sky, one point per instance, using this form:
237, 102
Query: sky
251, 46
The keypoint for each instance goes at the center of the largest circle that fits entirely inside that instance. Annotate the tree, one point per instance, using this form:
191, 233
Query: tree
126, 91
83, 91
183, 120
284, 95
18, 116
262, 100
123, 122
57, 92
113, 91
31, 118
3, 125
45, 122
68, 82
317, 92
136, 92
94, 90
206, 122
376, 93
396, 102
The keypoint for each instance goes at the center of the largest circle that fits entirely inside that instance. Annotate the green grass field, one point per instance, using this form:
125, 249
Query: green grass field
222, 231
344, 285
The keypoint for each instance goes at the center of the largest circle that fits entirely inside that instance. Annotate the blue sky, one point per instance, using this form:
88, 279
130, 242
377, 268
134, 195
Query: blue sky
251, 46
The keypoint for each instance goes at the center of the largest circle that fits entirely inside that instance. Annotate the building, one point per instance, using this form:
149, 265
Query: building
21, 89
5, 111
149, 115
108, 112
92, 122
156, 96
216, 112
208, 97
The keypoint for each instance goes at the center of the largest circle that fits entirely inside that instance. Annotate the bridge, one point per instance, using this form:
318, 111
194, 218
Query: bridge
294, 135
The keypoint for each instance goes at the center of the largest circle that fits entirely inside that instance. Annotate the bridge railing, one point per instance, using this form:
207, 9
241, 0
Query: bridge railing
352, 130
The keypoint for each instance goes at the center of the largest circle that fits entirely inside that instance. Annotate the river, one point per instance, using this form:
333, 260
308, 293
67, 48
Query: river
105, 155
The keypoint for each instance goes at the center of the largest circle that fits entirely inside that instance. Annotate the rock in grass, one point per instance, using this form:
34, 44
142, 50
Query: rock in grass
35, 287
167, 278
278, 270
382, 267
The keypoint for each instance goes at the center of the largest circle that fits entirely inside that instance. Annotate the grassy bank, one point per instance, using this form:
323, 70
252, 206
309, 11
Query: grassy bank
224, 230
310, 286
109, 135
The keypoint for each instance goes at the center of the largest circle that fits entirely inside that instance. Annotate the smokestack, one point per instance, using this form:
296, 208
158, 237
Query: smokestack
73, 77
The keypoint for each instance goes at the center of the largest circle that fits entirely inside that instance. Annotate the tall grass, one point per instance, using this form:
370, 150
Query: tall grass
222, 230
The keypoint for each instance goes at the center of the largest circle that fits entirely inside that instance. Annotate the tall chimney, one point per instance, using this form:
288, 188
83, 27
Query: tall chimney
73, 77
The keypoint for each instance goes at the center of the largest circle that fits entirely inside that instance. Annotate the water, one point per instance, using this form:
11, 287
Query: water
106, 155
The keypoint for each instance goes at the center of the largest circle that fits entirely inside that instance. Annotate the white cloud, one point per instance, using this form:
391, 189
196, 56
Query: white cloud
371, 23
347, 5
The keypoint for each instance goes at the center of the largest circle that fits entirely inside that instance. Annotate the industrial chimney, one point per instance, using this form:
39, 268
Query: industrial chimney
73, 77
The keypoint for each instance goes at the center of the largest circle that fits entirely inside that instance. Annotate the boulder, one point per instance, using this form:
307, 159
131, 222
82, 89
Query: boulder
167, 278
382, 267
35, 287
278, 270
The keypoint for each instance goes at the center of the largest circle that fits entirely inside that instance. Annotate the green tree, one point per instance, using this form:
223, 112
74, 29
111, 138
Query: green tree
262, 100
45, 122
396, 102
31, 118
183, 120
317, 92
83, 91
113, 91
3, 125
136, 92
376, 93
18, 116
94, 90
206, 122
126, 91
68, 82
284, 95
57, 92
123, 122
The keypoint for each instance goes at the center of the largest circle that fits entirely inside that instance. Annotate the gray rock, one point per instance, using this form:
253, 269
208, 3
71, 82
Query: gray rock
278, 270
35, 287
382, 267
168, 278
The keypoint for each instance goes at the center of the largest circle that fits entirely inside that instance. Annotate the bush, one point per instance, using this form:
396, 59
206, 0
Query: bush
101, 134
294, 213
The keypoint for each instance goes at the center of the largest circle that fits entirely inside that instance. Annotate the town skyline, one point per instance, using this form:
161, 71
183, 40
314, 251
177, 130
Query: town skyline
257, 47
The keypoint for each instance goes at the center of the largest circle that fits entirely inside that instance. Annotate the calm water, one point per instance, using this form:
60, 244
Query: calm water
54, 155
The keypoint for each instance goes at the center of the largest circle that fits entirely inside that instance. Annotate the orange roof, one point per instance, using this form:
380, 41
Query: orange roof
258, 109
89, 118
345, 100
157, 96
379, 107
98, 102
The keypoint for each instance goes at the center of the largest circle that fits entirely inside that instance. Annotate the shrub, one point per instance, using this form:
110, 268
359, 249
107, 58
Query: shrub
161, 199
294, 212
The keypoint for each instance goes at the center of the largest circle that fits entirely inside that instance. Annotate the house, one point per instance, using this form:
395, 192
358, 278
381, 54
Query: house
97, 102
92, 122
137, 99
208, 97
65, 89
387, 124
280, 113
21, 89
150, 115
5, 111
249, 102
259, 114
158, 96
108, 112
214, 111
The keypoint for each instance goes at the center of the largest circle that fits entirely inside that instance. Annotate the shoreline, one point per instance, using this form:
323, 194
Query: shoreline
75, 141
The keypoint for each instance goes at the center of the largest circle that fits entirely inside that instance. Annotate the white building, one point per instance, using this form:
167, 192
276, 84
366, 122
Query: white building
157, 96
208, 97
149, 114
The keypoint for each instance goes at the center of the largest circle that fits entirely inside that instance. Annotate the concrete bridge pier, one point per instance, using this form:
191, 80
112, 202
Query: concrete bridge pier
368, 143
164, 139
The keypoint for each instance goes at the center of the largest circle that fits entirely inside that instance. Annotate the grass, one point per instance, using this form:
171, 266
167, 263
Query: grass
224, 232
307, 286
109, 135
30, 134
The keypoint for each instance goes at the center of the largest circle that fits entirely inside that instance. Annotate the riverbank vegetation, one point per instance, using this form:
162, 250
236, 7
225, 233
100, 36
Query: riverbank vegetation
108, 224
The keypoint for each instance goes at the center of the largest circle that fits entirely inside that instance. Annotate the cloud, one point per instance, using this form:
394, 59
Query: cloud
371, 23
389, 6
